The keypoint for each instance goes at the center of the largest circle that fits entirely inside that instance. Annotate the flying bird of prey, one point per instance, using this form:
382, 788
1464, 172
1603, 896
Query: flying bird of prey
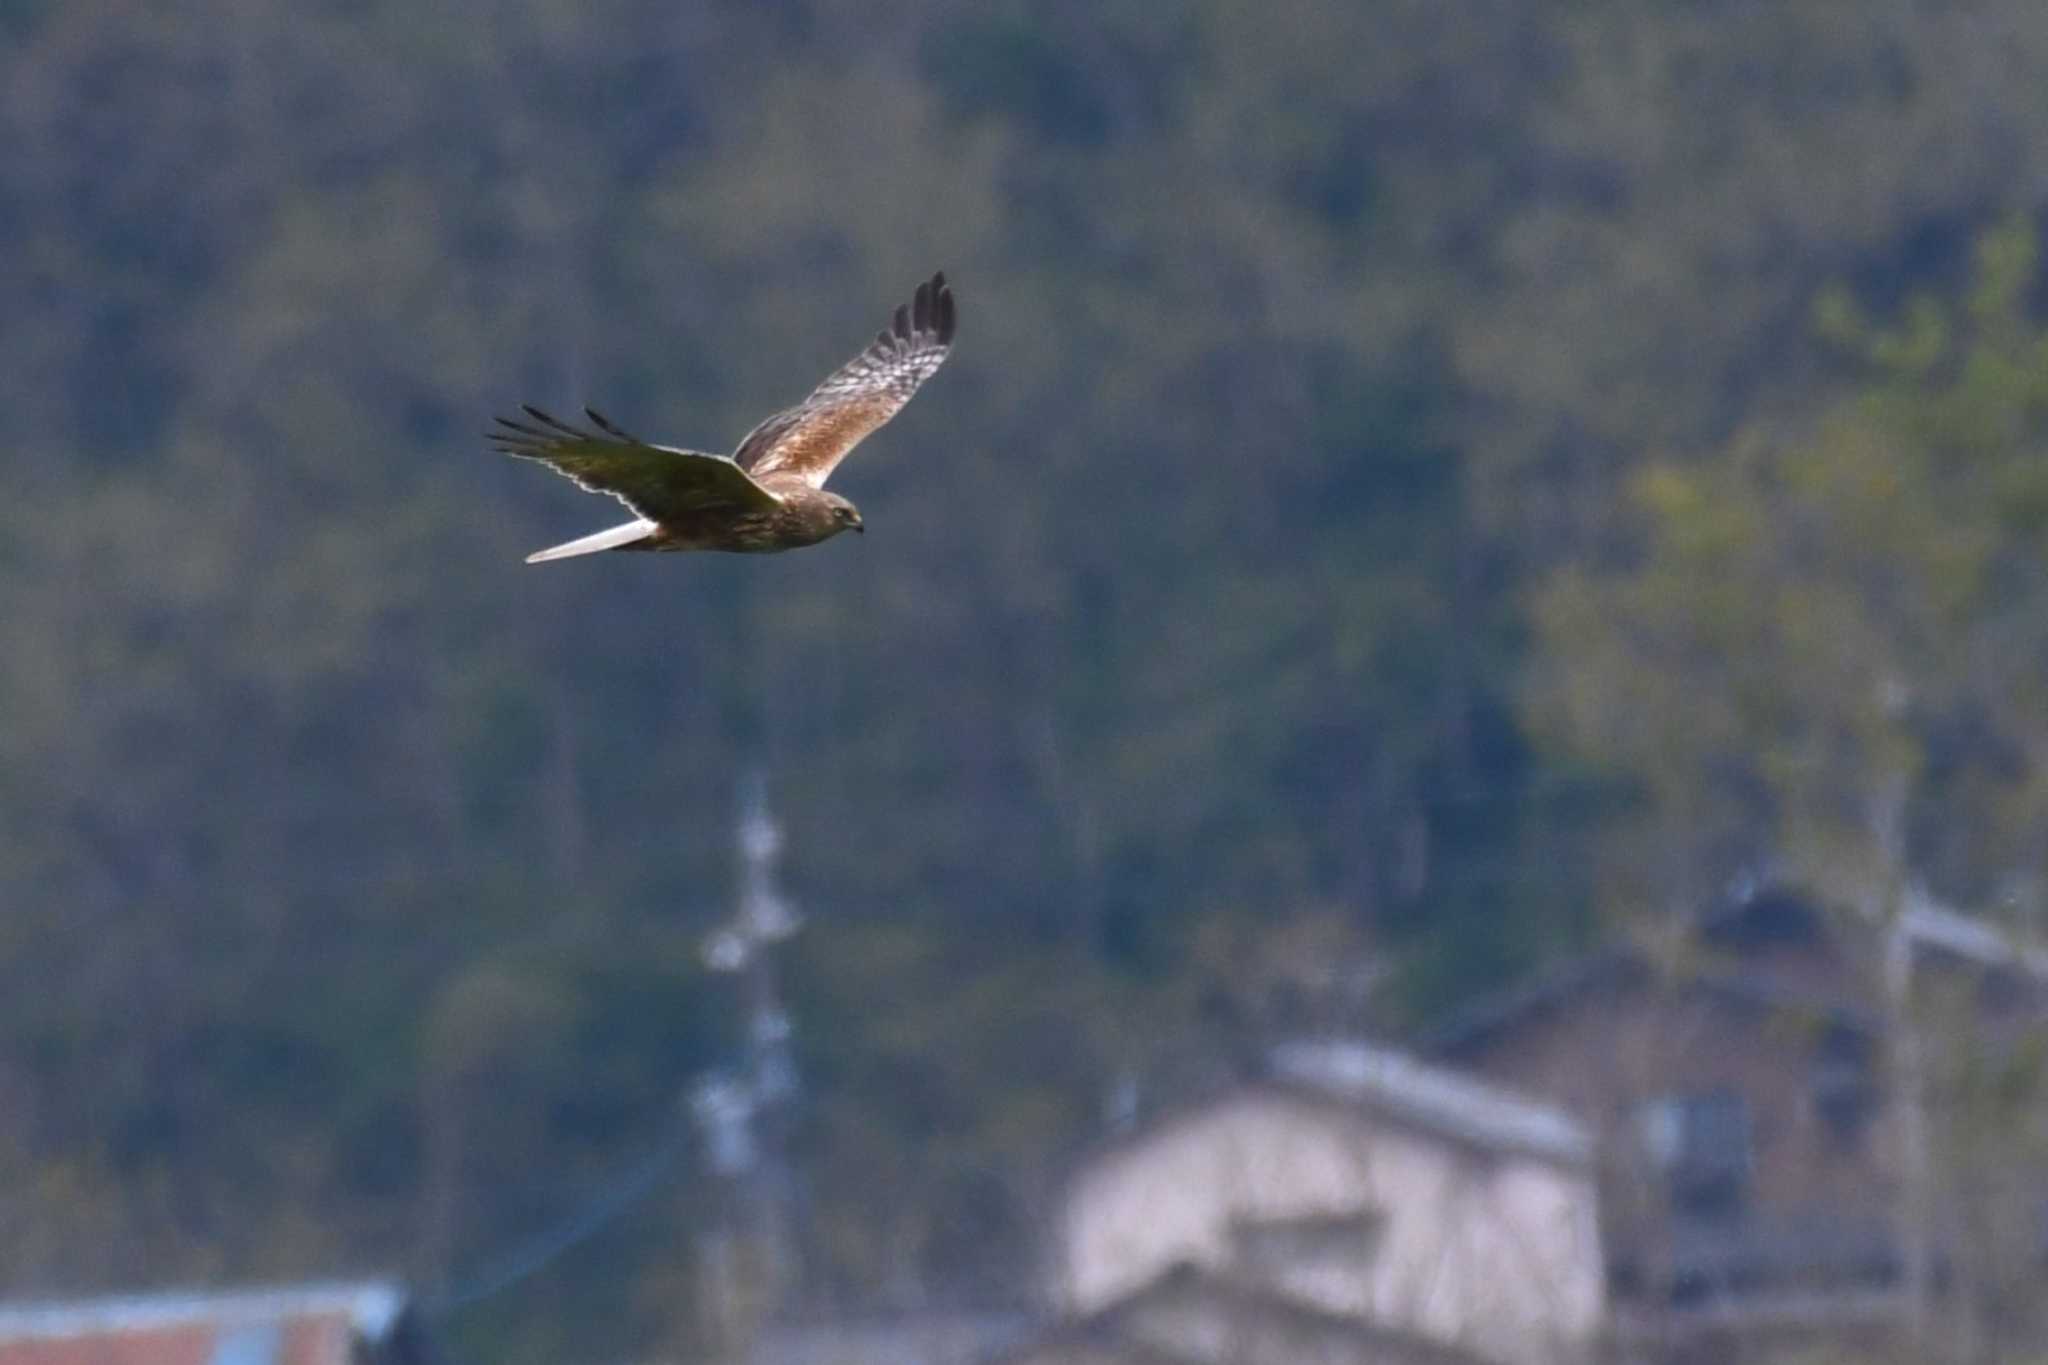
769, 494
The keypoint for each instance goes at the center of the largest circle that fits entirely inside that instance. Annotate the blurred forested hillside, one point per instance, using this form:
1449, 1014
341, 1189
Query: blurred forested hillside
1327, 373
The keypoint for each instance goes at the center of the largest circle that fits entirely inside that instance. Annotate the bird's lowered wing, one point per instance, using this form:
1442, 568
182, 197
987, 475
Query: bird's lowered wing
657, 482
810, 439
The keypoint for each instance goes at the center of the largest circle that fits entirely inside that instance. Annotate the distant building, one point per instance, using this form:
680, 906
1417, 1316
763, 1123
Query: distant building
1751, 1176
321, 1324
1190, 1316
1349, 1193
933, 1336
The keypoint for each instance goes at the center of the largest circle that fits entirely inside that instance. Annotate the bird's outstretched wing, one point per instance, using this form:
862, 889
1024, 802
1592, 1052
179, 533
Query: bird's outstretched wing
657, 482
810, 439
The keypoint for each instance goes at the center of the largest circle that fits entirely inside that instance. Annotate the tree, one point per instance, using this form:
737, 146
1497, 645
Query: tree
1819, 660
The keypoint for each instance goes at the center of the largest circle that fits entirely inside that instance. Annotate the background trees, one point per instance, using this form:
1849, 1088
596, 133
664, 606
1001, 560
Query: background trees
1407, 483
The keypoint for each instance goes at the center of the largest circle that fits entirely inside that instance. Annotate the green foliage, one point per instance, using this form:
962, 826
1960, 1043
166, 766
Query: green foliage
1824, 643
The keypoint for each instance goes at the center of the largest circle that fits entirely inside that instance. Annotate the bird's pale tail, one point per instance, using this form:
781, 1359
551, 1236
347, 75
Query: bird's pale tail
589, 545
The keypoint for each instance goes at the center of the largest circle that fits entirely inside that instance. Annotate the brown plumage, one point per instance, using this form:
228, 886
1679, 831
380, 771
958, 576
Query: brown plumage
769, 494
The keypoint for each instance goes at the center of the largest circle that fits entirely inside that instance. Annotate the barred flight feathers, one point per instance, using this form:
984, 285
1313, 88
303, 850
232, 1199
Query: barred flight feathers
811, 438
768, 495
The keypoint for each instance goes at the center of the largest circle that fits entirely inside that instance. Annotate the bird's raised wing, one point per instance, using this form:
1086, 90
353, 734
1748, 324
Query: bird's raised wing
657, 482
810, 439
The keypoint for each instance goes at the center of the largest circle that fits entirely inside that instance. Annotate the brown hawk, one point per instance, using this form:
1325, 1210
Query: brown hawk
769, 494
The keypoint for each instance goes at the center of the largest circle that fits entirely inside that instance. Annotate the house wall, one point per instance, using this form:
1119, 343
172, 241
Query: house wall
1492, 1251
1603, 1053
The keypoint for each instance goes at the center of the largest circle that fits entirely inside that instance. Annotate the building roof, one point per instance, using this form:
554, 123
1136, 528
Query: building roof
1087, 1341
1924, 925
1268, 1325
314, 1324
1933, 927
925, 1336
1361, 1078
1432, 1098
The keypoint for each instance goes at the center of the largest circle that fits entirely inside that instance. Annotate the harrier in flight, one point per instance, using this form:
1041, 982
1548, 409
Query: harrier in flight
770, 493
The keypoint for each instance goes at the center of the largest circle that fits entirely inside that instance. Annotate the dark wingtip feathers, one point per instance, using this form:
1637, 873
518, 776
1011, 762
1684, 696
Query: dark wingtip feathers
929, 313
935, 307
547, 430
516, 438
609, 427
550, 420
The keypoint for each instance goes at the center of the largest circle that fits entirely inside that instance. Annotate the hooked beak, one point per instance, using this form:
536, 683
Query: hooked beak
860, 527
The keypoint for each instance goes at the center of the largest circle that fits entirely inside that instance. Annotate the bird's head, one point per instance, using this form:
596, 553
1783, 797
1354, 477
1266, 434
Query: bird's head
845, 516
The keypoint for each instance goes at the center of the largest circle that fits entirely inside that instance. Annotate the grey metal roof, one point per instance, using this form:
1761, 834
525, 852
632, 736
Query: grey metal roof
921, 1337
1929, 924
1432, 1097
1241, 1307
1923, 922
370, 1308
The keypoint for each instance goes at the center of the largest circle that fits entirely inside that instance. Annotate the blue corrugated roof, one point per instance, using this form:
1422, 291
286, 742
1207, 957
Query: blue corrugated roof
370, 1307
251, 1343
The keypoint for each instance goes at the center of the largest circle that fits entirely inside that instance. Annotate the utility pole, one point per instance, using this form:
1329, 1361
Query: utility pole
746, 1112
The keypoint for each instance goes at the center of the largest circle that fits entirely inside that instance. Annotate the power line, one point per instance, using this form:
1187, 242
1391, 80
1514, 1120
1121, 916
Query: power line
524, 1261
727, 1110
